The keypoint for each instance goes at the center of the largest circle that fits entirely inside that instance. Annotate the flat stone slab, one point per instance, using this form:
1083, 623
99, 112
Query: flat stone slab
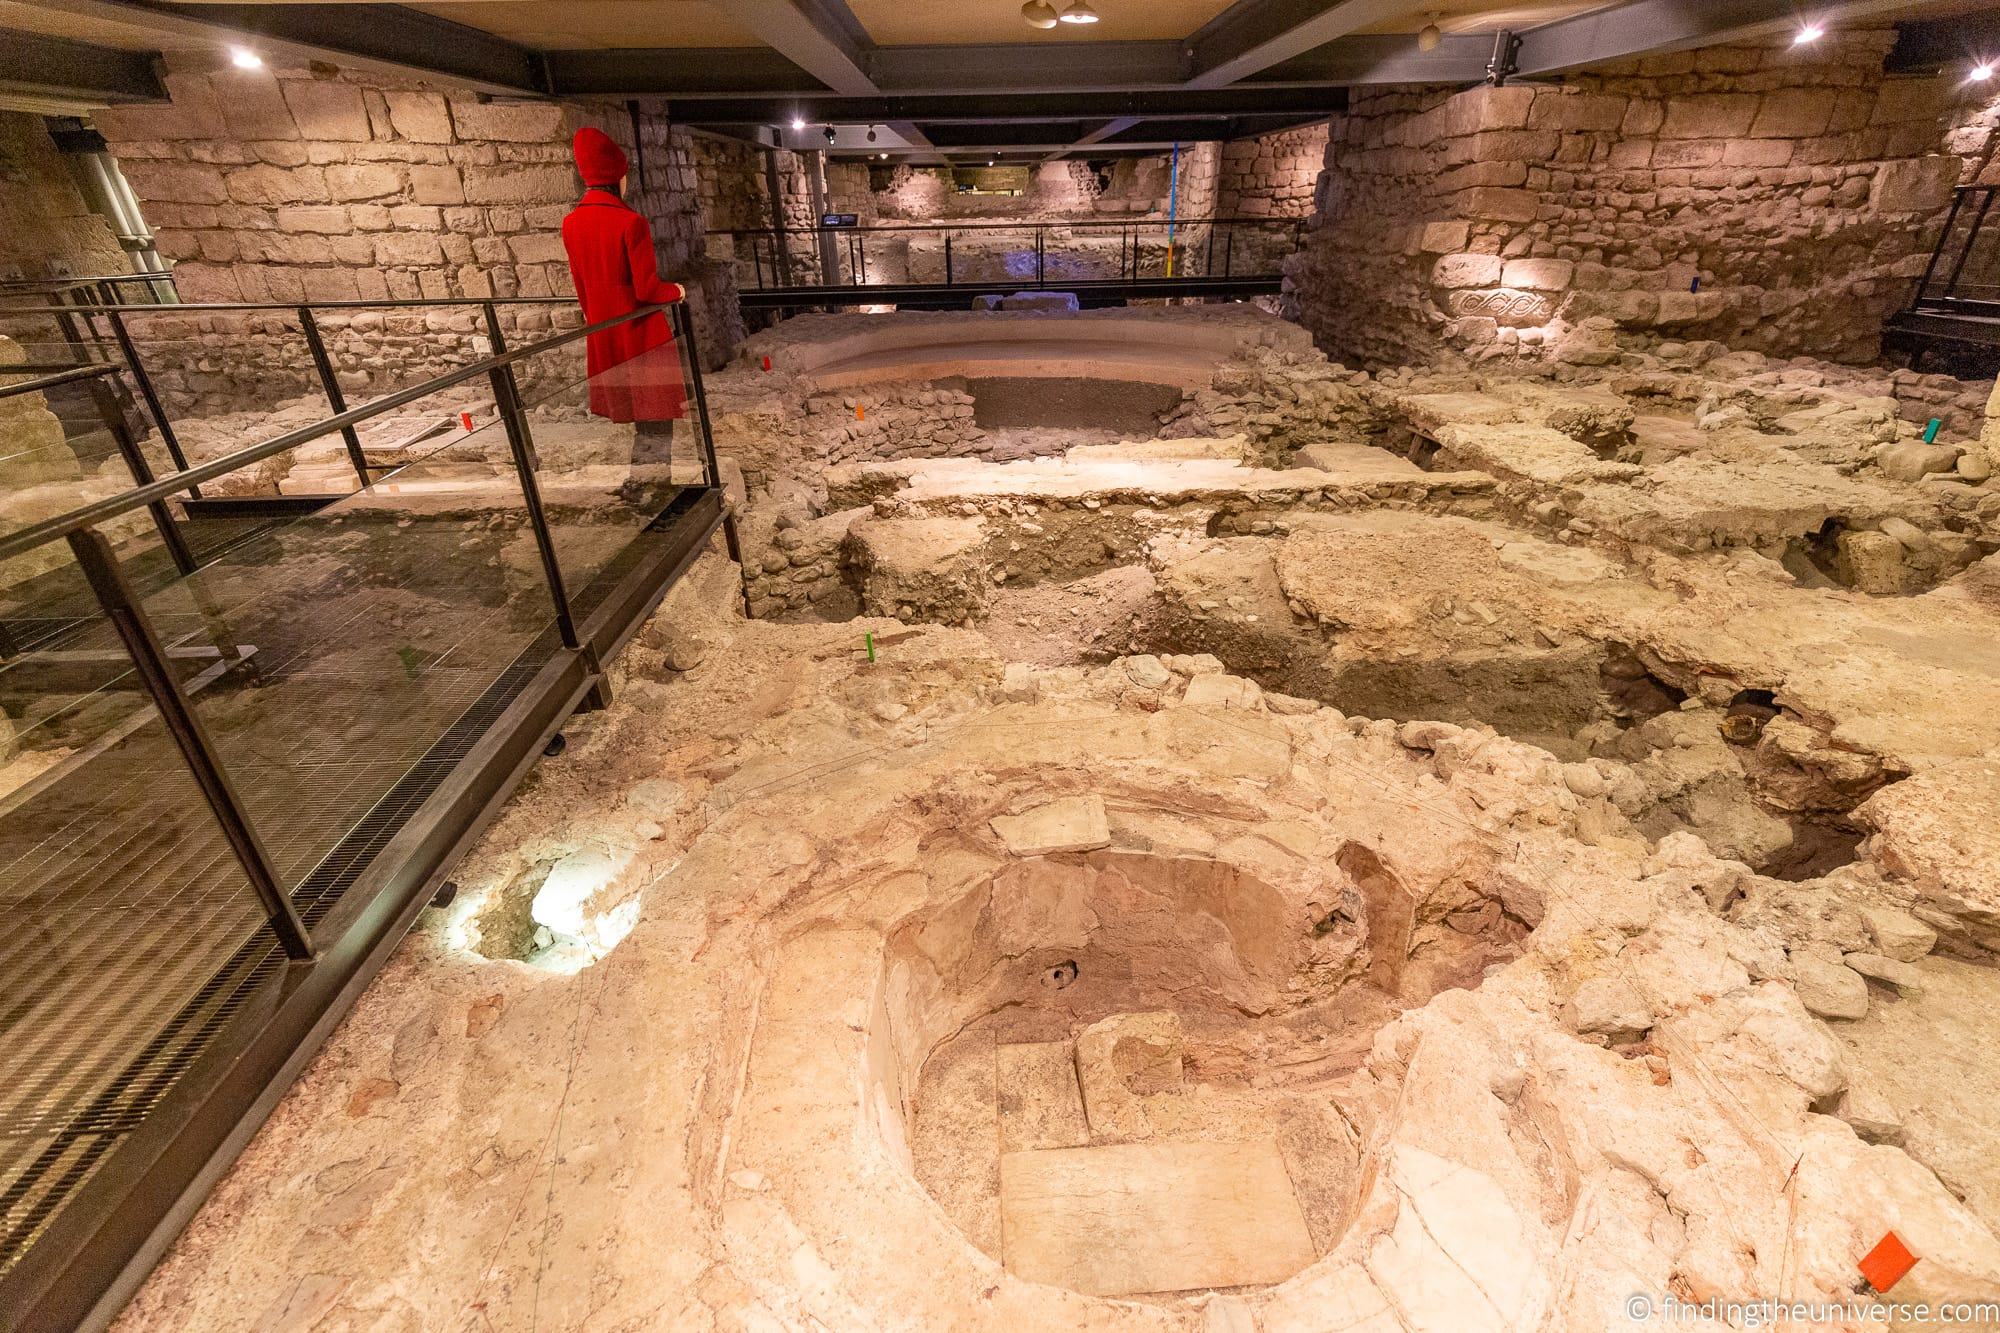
1068, 824
1040, 1103
1134, 1218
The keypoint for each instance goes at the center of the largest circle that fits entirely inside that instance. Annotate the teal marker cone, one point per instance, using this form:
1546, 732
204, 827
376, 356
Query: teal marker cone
1930, 431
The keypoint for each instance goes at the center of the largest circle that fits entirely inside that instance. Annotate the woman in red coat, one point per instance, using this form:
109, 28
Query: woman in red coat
635, 370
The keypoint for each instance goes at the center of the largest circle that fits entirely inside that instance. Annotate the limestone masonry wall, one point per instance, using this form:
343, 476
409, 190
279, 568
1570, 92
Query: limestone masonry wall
1272, 175
321, 184
46, 229
1776, 198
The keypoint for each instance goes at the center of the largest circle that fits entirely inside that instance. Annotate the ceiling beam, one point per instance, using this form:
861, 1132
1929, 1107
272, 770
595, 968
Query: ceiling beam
387, 37
1253, 35
1098, 135
56, 70
1306, 102
1645, 26
678, 71
1384, 58
995, 68
821, 37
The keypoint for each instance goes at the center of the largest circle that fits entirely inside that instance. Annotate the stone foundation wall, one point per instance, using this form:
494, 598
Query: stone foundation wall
1272, 175
1776, 198
46, 228
320, 184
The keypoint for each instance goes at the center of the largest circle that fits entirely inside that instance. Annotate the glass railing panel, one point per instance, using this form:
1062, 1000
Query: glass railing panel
360, 637
613, 452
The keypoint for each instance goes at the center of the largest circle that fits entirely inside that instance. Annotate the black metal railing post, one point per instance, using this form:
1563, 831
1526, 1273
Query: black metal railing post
1944, 239
1040, 243
100, 566
520, 443
947, 259
112, 414
330, 383
493, 334
1228, 252
684, 332
1971, 240
128, 349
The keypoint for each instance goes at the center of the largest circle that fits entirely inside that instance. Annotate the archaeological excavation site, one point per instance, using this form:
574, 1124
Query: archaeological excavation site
1132, 666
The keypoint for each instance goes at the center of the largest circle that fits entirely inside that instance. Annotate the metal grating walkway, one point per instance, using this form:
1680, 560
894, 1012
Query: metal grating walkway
341, 693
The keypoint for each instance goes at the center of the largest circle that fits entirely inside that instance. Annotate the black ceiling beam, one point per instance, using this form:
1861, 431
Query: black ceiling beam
395, 36
681, 72
1026, 65
933, 108
1644, 26
1932, 46
65, 71
1385, 58
1253, 35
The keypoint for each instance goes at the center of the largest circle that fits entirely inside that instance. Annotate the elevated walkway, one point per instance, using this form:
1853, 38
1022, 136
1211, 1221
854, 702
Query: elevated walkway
234, 787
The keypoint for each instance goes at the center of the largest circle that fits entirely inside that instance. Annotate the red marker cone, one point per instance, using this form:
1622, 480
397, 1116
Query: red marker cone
465, 420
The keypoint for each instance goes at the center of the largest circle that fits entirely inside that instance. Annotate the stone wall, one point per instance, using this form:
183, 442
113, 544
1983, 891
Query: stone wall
1272, 175
46, 228
321, 184
1775, 198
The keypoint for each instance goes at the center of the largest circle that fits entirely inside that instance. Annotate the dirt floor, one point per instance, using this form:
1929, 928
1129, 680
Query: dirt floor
1428, 850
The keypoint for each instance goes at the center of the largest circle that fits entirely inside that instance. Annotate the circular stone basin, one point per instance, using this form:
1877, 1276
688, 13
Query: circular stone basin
1123, 1073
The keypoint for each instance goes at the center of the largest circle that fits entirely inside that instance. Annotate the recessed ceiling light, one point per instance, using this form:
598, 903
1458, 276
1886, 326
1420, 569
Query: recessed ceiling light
798, 122
244, 58
1982, 71
1812, 32
1080, 12
1039, 13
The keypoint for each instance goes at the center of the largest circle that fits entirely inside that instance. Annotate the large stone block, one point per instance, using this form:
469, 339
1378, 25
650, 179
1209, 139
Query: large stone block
328, 221
408, 249
1443, 237
1560, 109
176, 183
1466, 270
538, 248
1475, 174
1914, 185
363, 180
1538, 275
327, 110
1710, 116
437, 185
512, 122
1499, 205
252, 105
519, 185
419, 117
1794, 113
277, 185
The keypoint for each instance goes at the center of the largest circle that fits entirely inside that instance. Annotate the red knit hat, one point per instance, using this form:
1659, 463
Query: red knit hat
598, 158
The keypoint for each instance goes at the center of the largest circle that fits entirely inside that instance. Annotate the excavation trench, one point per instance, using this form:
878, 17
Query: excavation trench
1126, 1073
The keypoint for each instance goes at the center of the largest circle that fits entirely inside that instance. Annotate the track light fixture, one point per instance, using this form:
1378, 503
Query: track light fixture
1983, 71
798, 122
830, 135
1430, 34
1809, 34
1080, 12
244, 58
1040, 14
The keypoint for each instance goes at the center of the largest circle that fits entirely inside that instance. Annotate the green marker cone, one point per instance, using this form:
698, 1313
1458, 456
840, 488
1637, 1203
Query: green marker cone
1930, 431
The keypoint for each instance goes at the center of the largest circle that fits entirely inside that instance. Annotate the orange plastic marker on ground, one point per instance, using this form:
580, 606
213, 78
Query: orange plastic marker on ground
1888, 1263
465, 420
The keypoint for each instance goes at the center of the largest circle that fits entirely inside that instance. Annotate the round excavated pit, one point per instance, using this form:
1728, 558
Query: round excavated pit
1128, 1074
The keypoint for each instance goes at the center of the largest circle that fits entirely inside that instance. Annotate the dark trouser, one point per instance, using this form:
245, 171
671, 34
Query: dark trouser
653, 442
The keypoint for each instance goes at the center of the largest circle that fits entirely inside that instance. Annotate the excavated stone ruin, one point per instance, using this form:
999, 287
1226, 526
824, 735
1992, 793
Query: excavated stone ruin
1267, 846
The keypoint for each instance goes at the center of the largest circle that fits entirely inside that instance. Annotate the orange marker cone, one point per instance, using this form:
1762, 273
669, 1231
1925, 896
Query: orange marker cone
465, 420
860, 412
767, 363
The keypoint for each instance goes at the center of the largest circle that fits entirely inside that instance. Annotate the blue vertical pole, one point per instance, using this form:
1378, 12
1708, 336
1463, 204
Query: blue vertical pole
1173, 205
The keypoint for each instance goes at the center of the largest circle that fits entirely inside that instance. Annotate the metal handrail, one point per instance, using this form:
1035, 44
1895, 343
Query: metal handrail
1131, 221
1947, 299
240, 307
69, 376
61, 525
165, 275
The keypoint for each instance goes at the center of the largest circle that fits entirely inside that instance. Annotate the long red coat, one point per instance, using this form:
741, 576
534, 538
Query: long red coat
635, 371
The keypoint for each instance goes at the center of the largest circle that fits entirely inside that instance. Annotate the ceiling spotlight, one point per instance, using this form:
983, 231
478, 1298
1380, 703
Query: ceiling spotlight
1430, 34
830, 135
885, 157
798, 122
1080, 12
1040, 14
244, 58
1812, 32
1983, 71
871, 134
